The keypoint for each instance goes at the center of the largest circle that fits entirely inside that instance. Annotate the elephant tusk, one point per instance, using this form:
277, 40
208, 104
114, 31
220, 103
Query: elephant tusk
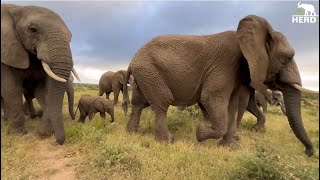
76, 74
50, 73
302, 89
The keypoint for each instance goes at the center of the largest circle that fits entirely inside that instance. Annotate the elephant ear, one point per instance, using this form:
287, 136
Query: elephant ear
99, 105
254, 36
13, 52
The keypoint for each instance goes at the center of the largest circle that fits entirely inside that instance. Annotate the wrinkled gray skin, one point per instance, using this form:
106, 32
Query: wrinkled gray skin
33, 35
209, 70
113, 82
89, 105
29, 95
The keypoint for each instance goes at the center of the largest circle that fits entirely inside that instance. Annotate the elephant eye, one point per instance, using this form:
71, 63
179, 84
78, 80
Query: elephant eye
33, 29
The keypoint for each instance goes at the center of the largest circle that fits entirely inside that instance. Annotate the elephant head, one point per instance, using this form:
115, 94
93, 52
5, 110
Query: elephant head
41, 33
102, 105
271, 64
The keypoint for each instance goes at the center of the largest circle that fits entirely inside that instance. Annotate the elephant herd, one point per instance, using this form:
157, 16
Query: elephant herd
219, 72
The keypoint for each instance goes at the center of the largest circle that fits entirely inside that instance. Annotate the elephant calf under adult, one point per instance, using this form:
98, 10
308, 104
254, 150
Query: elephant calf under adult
275, 98
30, 92
209, 70
113, 82
89, 105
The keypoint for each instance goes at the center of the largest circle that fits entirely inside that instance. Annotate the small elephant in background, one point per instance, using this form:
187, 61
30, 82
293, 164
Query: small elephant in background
113, 82
89, 105
275, 98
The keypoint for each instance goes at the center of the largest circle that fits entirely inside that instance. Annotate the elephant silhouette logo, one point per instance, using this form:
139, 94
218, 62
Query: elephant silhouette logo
309, 9
305, 13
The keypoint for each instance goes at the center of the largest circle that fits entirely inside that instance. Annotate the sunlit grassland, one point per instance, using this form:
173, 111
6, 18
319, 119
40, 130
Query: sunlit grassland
111, 153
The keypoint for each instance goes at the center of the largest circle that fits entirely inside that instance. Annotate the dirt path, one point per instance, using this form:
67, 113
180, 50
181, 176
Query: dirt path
55, 161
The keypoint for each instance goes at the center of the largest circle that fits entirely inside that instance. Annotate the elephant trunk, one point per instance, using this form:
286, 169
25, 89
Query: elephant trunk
126, 101
292, 101
57, 54
54, 108
70, 93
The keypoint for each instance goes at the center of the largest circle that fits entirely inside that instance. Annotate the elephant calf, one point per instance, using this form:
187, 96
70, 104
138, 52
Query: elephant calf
89, 105
276, 98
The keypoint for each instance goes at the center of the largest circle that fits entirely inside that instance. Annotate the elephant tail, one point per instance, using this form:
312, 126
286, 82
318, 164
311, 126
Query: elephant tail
76, 110
126, 101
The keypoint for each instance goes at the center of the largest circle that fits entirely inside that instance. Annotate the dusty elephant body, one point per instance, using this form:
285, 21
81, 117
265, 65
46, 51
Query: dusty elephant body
89, 105
35, 51
184, 69
113, 82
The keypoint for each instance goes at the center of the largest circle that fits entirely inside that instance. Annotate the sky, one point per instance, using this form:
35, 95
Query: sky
106, 34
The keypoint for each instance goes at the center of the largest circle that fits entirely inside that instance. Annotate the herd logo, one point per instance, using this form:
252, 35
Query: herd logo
305, 13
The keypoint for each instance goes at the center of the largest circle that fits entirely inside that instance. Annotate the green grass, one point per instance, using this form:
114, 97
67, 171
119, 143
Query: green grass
98, 152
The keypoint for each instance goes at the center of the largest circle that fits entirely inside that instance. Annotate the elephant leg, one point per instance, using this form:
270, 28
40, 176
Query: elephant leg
13, 100
107, 95
100, 92
103, 115
138, 104
40, 95
83, 114
204, 112
116, 92
162, 132
26, 108
31, 109
245, 93
216, 103
228, 139
91, 114
5, 111
255, 110
265, 107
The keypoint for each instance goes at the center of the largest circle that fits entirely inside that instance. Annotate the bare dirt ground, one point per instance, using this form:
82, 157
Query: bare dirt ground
55, 161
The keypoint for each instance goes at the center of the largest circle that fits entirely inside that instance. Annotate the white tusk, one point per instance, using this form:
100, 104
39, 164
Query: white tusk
50, 73
76, 74
302, 89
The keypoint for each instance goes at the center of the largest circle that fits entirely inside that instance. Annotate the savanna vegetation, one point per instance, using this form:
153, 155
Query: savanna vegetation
92, 151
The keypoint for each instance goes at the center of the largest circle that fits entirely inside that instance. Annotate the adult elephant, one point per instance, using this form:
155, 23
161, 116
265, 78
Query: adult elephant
35, 48
186, 69
113, 82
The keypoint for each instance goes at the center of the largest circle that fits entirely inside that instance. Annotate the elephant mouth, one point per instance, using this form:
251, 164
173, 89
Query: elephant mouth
48, 70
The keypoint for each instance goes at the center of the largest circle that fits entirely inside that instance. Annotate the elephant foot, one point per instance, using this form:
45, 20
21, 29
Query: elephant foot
45, 129
33, 116
20, 130
203, 132
132, 129
168, 137
40, 113
259, 128
230, 143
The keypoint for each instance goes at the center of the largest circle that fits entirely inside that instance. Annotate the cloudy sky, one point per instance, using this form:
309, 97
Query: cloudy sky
106, 34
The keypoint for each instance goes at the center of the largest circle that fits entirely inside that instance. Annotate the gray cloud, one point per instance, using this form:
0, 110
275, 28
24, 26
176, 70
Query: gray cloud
109, 33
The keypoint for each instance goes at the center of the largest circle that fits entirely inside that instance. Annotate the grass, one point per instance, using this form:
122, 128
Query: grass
110, 152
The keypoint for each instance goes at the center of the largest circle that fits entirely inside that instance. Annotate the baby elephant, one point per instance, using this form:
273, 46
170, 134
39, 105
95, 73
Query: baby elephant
89, 105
